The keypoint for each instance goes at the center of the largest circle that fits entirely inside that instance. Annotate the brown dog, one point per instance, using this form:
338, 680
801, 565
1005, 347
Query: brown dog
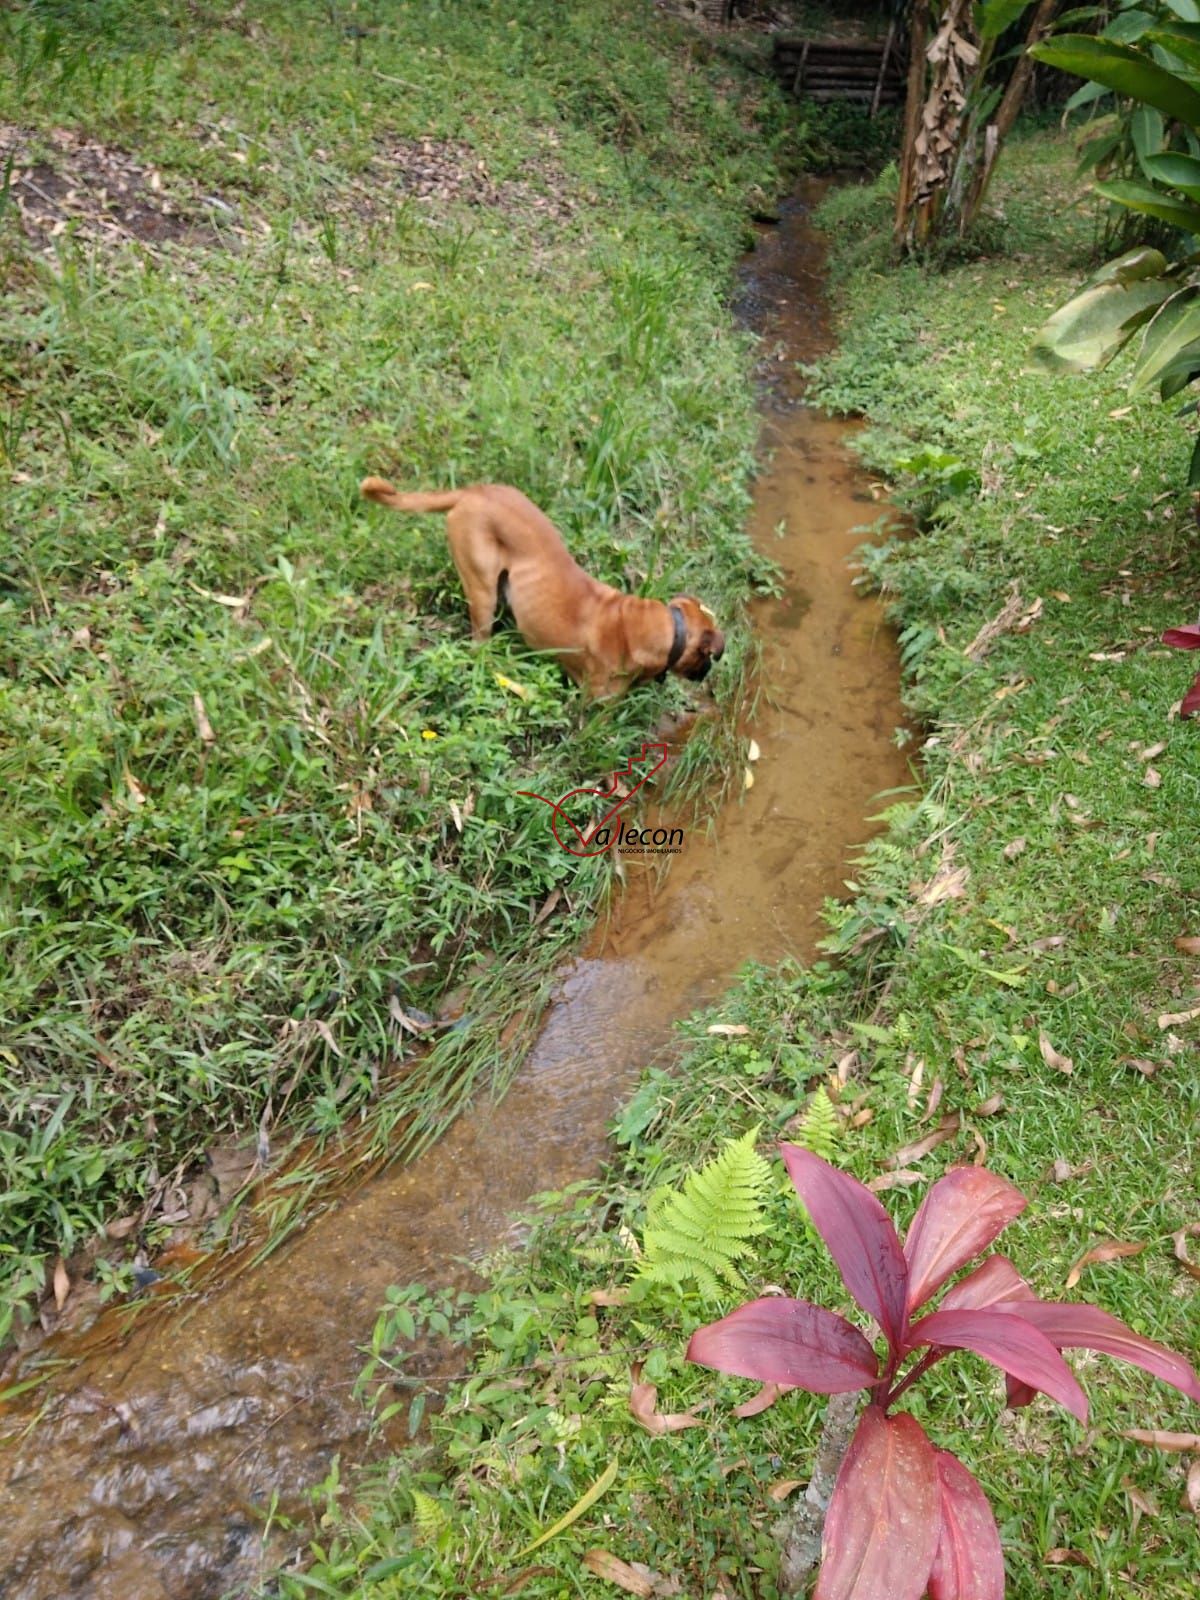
506, 550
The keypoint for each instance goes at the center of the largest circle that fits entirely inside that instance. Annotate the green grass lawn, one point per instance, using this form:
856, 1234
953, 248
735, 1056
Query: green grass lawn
258, 791
1065, 845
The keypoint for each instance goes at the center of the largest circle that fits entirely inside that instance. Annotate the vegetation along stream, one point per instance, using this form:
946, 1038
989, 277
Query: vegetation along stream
155, 1460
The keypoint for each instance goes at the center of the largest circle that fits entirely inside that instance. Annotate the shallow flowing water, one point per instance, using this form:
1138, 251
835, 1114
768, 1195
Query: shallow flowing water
147, 1477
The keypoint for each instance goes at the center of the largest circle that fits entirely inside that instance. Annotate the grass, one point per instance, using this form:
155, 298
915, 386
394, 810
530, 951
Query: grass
1015, 478
257, 789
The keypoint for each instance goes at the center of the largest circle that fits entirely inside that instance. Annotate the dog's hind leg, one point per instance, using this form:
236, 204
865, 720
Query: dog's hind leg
478, 566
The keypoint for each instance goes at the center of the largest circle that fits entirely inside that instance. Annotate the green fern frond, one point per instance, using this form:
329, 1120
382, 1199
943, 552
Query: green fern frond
700, 1231
818, 1127
430, 1518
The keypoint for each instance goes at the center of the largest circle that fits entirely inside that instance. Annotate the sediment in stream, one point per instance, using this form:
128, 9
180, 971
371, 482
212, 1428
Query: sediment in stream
150, 1474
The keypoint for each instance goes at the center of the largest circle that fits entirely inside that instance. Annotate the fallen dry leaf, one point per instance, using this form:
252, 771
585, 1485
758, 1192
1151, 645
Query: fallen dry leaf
782, 1487
613, 1570
1152, 778
120, 1227
894, 1180
1113, 1250
1161, 1440
1188, 944
608, 1297
643, 1398
1151, 750
728, 1030
1140, 1064
1172, 1019
947, 883
1051, 1056
1014, 847
1193, 1487
991, 1106
936, 1090
547, 905
946, 1129
62, 1283
914, 1083
1180, 1240
1059, 1557
410, 1024
763, 1400
1142, 1503
753, 753
203, 725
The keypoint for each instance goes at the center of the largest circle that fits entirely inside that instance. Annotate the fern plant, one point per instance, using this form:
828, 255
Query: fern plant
431, 1520
698, 1232
818, 1127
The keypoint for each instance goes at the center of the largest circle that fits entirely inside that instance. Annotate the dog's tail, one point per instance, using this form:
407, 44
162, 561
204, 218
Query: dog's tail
381, 491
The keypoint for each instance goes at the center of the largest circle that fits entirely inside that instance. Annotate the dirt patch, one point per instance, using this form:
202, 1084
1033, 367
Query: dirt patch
449, 171
62, 180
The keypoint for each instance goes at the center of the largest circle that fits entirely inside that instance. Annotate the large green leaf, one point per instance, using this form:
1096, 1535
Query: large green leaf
1174, 326
1132, 267
1126, 70
1089, 330
1148, 132
1176, 171
1128, 26
1186, 10
1152, 203
1183, 370
1182, 49
996, 15
1086, 95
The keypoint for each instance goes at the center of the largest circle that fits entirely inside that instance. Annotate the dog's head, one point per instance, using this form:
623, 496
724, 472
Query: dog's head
703, 641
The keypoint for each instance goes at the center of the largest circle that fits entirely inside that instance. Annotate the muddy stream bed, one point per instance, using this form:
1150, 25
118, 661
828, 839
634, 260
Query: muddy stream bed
150, 1472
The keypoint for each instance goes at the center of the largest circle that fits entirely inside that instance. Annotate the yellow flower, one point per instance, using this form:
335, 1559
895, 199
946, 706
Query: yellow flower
428, 733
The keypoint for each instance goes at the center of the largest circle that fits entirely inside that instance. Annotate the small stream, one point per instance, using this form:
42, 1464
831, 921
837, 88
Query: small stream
149, 1474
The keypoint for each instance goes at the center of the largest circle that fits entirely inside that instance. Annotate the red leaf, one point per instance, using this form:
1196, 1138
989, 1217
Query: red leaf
881, 1529
969, 1564
790, 1342
997, 1279
990, 1334
1086, 1327
859, 1235
959, 1217
1185, 638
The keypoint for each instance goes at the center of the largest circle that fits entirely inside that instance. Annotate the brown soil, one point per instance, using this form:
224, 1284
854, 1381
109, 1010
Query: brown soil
63, 181
450, 171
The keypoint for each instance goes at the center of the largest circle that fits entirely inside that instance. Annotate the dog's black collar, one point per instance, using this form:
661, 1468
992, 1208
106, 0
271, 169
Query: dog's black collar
679, 642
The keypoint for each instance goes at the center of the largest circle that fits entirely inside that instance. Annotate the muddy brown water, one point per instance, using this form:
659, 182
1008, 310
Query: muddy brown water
149, 1474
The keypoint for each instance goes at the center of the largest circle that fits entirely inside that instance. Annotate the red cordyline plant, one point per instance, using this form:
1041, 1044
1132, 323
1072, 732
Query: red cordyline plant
907, 1519
1187, 638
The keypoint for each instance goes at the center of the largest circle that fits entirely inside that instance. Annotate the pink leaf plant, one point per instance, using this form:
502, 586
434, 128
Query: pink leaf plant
906, 1519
